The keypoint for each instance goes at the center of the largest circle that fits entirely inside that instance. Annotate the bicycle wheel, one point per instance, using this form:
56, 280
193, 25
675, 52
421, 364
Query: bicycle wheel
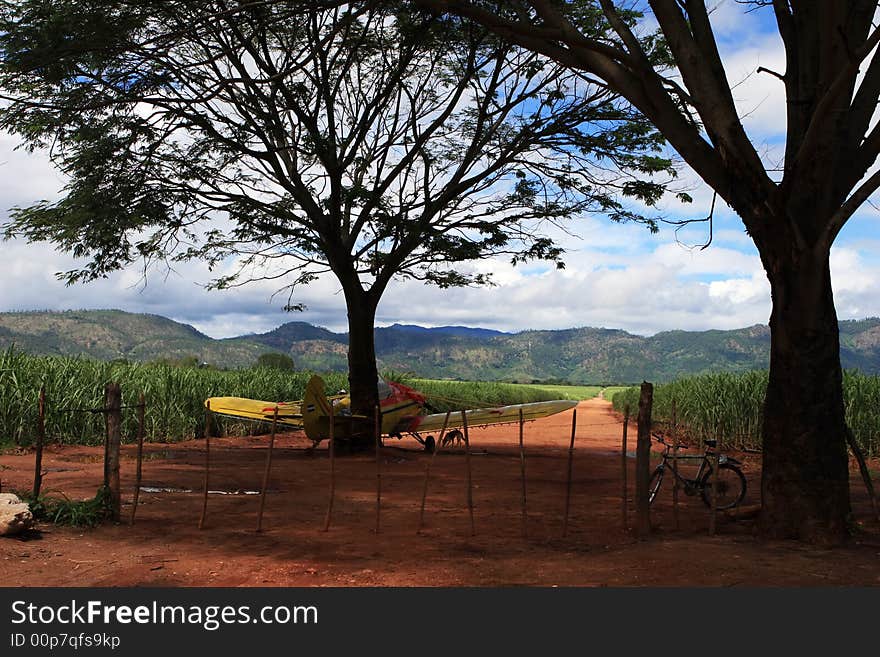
654, 484
731, 487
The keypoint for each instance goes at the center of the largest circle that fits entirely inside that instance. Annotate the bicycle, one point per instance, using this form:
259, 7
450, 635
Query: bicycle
731, 486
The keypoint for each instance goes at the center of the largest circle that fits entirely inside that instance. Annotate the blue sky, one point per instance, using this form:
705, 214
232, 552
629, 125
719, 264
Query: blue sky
616, 276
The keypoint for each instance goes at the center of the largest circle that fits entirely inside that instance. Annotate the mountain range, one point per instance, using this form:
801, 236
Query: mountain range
577, 355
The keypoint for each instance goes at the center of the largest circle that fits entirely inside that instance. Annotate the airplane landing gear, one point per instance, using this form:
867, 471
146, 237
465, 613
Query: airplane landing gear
428, 442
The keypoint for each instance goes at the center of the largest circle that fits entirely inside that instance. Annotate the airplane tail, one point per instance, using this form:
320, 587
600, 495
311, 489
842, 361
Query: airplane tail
316, 410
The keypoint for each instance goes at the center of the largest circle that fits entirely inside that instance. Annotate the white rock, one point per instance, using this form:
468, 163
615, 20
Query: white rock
15, 515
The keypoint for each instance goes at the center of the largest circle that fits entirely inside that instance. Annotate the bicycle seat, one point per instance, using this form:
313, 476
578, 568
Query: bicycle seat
710, 443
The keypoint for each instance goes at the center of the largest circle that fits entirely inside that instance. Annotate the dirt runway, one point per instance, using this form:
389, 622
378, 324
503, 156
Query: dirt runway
166, 548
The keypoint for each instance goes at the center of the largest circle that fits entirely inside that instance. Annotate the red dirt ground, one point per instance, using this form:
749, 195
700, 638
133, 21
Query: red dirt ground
166, 548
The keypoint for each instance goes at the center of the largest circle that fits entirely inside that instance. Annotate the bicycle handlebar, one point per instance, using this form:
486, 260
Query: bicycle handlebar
659, 438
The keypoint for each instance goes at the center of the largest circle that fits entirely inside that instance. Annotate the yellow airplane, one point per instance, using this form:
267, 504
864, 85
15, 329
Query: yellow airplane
402, 412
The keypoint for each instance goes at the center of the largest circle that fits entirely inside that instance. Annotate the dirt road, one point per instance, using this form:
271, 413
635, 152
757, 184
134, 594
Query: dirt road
165, 546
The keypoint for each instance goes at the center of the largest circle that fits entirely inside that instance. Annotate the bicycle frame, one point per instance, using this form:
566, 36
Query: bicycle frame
705, 464
704, 458
694, 483
699, 483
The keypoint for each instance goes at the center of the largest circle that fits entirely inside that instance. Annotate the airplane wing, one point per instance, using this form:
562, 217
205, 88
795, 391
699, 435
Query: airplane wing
486, 416
289, 413
398, 415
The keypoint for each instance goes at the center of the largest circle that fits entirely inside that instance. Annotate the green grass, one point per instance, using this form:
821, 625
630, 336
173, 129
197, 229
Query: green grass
175, 396
568, 392
730, 406
445, 396
73, 513
608, 392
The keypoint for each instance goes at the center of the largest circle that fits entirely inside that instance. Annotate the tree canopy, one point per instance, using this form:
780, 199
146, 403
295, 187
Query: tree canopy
276, 361
310, 132
832, 84
369, 140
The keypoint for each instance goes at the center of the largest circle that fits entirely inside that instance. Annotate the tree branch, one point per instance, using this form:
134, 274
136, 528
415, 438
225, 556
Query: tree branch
853, 203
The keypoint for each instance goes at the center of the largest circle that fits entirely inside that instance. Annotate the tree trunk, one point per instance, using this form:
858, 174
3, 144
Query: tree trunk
362, 370
805, 476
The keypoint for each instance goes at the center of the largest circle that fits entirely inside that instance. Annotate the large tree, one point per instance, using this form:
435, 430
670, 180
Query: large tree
360, 140
832, 82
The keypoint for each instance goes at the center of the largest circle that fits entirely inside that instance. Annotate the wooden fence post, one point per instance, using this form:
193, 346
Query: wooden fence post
863, 469
437, 447
574, 415
140, 455
208, 419
378, 428
41, 438
113, 413
623, 486
675, 486
332, 469
643, 461
467, 458
522, 469
716, 460
267, 470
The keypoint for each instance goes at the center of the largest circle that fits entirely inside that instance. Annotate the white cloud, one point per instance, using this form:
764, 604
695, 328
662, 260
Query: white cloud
739, 292
658, 290
854, 278
25, 177
759, 97
644, 290
729, 20
616, 276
